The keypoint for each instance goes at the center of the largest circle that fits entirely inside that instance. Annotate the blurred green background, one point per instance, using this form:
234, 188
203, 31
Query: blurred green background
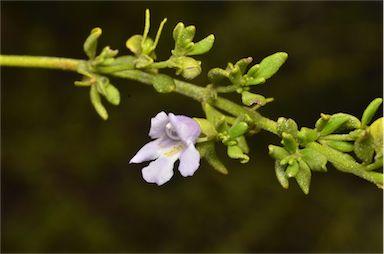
66, 185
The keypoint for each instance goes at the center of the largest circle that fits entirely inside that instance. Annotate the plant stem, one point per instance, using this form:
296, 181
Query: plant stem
227, 89
65, 64
346, 163
196, 92
341, 161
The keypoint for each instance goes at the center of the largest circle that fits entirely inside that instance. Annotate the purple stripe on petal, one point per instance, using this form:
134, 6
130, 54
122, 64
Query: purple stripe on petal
187, 128
160, 170
189, 161
148, 152
158, 124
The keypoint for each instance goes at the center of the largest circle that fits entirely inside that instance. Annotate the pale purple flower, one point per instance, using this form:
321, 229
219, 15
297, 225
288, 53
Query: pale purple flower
175, 136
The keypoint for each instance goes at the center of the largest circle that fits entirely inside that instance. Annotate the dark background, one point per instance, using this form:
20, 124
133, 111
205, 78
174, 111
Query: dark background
66, 183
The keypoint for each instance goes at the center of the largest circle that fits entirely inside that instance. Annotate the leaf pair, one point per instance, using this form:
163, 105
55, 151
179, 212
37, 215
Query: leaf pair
103, 87
297, 165
184, 45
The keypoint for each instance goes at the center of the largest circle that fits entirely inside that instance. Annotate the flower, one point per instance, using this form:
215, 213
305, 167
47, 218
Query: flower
175, 136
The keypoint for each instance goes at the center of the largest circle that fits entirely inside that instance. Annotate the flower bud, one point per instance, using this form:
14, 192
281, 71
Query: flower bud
188, 67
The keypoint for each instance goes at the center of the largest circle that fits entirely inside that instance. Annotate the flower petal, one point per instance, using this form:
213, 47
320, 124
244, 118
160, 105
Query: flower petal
160, 170
148, 152
189, 161
187, 128
158, 124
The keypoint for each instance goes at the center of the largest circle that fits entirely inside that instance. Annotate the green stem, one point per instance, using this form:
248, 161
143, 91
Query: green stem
196, 92
346, 163
341, 161
227, 89
66, 64
235, 109
159, 65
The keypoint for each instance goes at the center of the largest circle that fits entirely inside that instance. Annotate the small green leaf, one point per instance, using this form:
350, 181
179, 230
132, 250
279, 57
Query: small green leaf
292, 169
178, 30
252, 71
202, 46
234, 75
280, 175
213, 115
334, 123
250, 99
235, 152
341, 146
255, 81
242, 143
351, 123
376, 131
364, 147
207, 150
307, 135
238, 129
163, 83
187, 35
277, 152
96, 102
370, 111
243, 63
286, 125
303, 177
322, 121
207, 128
84, 82
122, 63
217, 74
105, 56
112, 94
289, 142
143, 61
101, 84
134, 44
90, 44
270, 65
315, 160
